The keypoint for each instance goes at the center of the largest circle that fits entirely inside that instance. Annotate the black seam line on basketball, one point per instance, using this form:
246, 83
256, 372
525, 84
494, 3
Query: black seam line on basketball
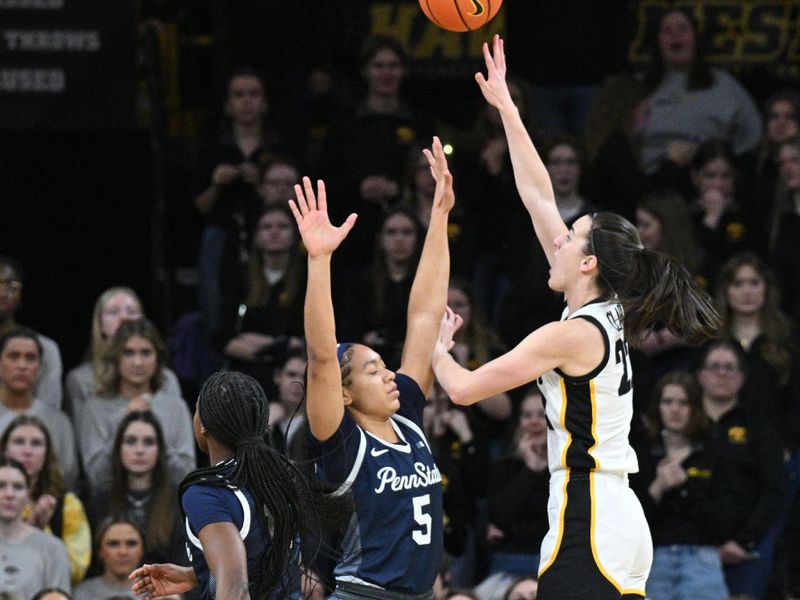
433, 16
460, 16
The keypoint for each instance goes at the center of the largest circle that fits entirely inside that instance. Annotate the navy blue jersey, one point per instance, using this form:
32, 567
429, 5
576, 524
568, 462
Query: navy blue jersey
204, 504
394, 538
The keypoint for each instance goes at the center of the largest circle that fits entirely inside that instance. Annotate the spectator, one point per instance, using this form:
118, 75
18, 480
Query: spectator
615, 178
52, 508
720, 227
664, 224
134, 382
48, 383
278, 178
418, 198
784, 243
52, 593
748, 468
522, 589
114, 305
497, 237
141, 488
563, 157
463, 460
366, 152
518, 492
228, 178
475, 345
374, 310
120, 545
675, 485
20, 363
748, 299
287, 413
29, 558
782, 124
262, 298
691, 103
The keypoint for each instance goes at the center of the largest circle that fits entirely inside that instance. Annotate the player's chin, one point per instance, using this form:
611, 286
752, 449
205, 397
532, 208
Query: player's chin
553, 284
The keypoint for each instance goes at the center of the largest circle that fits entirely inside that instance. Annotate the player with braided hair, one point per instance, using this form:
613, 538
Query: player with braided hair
247, 512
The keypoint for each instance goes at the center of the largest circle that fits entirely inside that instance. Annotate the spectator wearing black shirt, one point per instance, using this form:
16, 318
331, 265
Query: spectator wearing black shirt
518, 492
227, 179
675, 484
748, 467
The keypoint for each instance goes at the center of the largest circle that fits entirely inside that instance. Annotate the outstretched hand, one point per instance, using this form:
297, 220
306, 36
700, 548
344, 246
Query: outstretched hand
443, 197
447, 329
154, 581
310, 210
493, 85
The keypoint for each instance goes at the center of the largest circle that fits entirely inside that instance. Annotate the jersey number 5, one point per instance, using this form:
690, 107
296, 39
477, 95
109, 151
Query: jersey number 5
423, 538
622, 357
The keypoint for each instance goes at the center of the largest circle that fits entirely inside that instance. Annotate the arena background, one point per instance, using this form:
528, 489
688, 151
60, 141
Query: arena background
102, 103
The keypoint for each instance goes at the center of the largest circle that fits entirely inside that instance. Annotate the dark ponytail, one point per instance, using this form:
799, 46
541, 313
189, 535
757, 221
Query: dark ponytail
651, 287
234, 410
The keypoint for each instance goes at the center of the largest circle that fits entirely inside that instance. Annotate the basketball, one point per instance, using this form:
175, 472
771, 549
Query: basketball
460, 15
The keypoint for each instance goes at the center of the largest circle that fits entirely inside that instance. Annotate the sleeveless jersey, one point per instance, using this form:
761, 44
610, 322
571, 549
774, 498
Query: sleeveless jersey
204, 504
394, 538
589, 417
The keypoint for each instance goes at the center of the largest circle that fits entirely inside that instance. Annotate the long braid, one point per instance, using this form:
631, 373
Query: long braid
234, 409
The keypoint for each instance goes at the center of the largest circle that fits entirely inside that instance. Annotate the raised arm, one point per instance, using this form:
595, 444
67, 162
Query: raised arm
428, 298
325, 406
530, 174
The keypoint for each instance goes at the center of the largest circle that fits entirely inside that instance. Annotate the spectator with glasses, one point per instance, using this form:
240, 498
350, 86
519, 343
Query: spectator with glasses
748, 468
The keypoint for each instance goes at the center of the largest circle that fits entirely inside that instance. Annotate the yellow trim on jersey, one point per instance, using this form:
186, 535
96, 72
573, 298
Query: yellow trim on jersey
591, 530
593, 399
637, 592
563, 418
560, 535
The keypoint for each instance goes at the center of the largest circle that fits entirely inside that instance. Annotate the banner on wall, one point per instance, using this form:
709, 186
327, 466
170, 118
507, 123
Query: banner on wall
67, 64
742, 35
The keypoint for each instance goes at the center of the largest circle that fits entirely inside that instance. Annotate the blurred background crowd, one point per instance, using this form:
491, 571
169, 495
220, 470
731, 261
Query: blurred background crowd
146, 241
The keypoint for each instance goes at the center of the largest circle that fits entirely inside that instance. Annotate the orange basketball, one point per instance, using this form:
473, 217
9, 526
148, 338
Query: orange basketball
460, 15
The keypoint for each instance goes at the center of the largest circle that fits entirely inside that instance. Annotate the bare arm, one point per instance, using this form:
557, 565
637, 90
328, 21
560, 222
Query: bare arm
530, 173
224, 552
428, 298
157, 580
575, 346
325, 405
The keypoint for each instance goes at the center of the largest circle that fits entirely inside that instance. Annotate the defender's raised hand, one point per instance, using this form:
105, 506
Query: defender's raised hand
310, 210
443, 197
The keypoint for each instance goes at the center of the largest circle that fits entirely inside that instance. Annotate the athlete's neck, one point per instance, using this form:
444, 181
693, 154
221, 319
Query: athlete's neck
380, 428
581, 293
